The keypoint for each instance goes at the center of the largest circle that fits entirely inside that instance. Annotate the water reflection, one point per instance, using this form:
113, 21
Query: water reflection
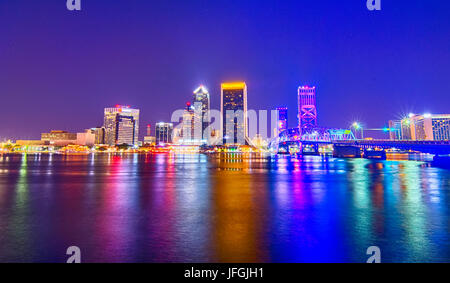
224, 208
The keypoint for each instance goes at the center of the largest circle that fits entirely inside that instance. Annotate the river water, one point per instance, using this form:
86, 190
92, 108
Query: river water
221, 208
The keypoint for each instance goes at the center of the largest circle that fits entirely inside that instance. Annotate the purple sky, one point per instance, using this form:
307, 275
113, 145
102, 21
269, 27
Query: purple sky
59, 69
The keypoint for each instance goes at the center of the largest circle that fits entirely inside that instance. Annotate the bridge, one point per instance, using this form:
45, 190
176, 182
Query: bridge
432, 147
316, 138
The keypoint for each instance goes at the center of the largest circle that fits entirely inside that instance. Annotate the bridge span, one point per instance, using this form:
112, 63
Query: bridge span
344, 138
432, 147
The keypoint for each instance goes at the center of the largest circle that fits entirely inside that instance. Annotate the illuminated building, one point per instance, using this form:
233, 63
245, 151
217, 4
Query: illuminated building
201, 97
282, 123
429, 127
85, 139
57, 136
396, 130
188, 124
32, 142
189, 131
63, 138
307, 111
233, 106
163, 133
99, 134
121, 125
406, 129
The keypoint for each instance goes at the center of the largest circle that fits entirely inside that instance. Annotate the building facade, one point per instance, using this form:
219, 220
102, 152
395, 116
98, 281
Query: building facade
121, 125
307, 110
99, 134
56, 136
428, 127
201, 99
233, 107
406, 129
163, 133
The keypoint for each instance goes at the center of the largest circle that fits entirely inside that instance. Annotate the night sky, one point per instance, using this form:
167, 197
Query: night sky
59, 69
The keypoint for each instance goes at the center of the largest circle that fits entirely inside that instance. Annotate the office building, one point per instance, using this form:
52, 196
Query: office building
429, 127
188, 124
201, 99
121, 125
63, 138
163, 133
307, 111
86, 139
233, 106
99, 134
57, 136
406, 129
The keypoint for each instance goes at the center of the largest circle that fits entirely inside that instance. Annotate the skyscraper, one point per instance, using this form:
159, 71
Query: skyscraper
233, 106
307, 111
188, 125
201, 97
282, 124
163, 132
99, 133
429, 127
121, 125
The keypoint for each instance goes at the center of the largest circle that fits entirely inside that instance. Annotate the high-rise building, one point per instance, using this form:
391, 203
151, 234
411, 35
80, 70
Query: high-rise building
282, 124
187, 134
163, 132
99, 134
121, 125
406, 129
201, 97
307, 111
429, 127
233, 106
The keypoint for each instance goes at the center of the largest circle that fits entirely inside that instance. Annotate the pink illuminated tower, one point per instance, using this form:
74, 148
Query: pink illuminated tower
307, 112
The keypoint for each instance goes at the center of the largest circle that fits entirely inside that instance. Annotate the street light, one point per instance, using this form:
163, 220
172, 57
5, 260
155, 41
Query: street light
358, 126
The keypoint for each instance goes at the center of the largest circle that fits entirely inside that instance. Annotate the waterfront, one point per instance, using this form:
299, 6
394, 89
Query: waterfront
221, 208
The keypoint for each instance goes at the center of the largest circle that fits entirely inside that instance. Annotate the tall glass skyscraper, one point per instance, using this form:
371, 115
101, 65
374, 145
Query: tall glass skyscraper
201, 97
307, 111
233, 106
121, 125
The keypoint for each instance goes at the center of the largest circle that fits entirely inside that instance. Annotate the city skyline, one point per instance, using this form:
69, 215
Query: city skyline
380, 68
